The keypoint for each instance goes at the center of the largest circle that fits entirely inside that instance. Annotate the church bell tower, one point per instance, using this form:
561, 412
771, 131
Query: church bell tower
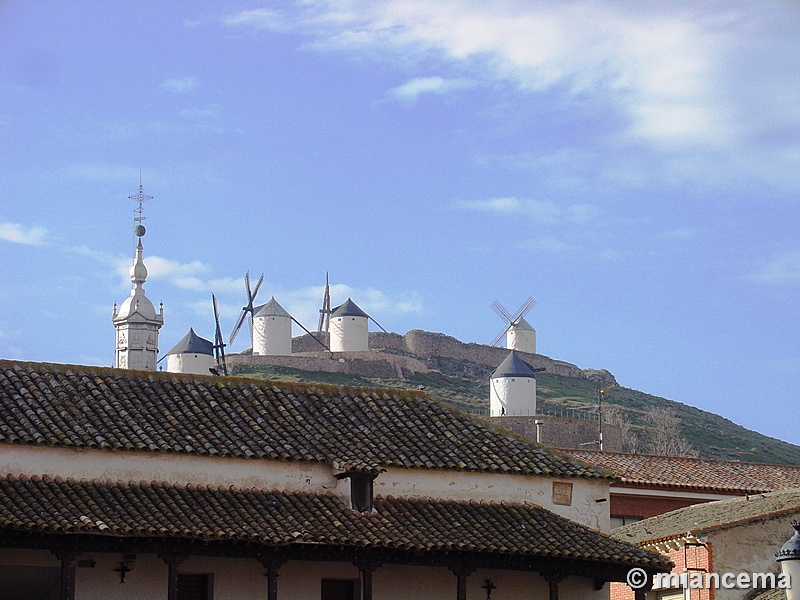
136, 320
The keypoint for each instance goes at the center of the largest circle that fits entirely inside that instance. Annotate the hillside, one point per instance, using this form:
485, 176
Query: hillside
460, 380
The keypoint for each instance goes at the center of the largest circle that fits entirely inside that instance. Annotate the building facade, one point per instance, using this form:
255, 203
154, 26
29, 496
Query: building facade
123, 484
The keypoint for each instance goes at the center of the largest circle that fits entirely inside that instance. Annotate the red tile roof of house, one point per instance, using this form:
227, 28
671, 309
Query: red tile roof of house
47, 506
356, 428
702, 518
724, 476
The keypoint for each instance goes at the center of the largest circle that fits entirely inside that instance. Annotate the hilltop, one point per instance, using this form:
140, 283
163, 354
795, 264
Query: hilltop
457, 373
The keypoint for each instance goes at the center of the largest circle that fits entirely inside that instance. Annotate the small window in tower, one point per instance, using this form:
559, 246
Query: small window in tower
562, 493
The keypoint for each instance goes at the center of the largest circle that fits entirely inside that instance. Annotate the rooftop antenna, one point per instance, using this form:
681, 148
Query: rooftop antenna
600, 393
219, 344
138, 218
512, 320
325, 311
248, 310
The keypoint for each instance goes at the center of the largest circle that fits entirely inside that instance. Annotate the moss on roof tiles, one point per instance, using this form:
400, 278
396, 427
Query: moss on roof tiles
699, 519
693, 473
105, 408
48, 505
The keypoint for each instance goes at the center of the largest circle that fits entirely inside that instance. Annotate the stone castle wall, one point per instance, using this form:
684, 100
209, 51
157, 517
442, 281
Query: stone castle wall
431, 348
367, 364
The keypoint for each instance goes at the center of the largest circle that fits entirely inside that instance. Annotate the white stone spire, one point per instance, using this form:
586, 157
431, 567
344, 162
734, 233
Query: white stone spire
136, 321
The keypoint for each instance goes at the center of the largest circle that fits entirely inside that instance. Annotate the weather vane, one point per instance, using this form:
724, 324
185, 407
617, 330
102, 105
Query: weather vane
139, 228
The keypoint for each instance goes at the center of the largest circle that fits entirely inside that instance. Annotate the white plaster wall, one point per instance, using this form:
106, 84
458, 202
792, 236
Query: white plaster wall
171, 468
307, 477
199, 364
516, 394
147, 580
497, 487
272, 336
349, 334
749, 549
523, 340
243, 579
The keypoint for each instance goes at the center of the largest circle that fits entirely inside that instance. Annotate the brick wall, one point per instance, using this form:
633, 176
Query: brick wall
689, 558
646, 506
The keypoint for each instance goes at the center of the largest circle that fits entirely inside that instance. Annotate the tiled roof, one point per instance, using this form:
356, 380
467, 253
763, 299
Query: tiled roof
52, 506
708, 516
118, 409
692, 473
776, 594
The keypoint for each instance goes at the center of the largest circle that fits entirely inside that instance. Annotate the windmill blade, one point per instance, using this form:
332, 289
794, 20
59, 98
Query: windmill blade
311, 334
219, 344
325, 311
500, 335
378, 324
255, 291
238, 326
523, 309
501, 312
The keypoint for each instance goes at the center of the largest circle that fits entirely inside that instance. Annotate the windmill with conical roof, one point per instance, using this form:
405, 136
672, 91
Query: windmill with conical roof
512, 388
192, 354
349, 328
519, 333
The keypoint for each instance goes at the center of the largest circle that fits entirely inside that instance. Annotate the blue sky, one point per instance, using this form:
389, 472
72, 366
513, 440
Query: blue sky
635, 167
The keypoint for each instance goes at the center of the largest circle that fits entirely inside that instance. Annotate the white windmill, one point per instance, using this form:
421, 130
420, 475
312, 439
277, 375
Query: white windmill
512, 388
272, 329
349, 328
192, 354
248, 310
519, 333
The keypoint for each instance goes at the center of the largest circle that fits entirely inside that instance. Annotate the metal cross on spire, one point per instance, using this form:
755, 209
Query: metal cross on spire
139, 229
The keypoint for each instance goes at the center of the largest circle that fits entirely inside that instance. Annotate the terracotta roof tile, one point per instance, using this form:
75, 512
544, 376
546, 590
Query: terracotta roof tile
93, 407
708, 516
46, 505
692, 473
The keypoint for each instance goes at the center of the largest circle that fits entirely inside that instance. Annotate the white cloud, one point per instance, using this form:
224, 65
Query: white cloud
408, 92
183, 275
15, 233
210, 111
678, 74
781, 267
546, 243
540, 211
180, 85
259, 18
